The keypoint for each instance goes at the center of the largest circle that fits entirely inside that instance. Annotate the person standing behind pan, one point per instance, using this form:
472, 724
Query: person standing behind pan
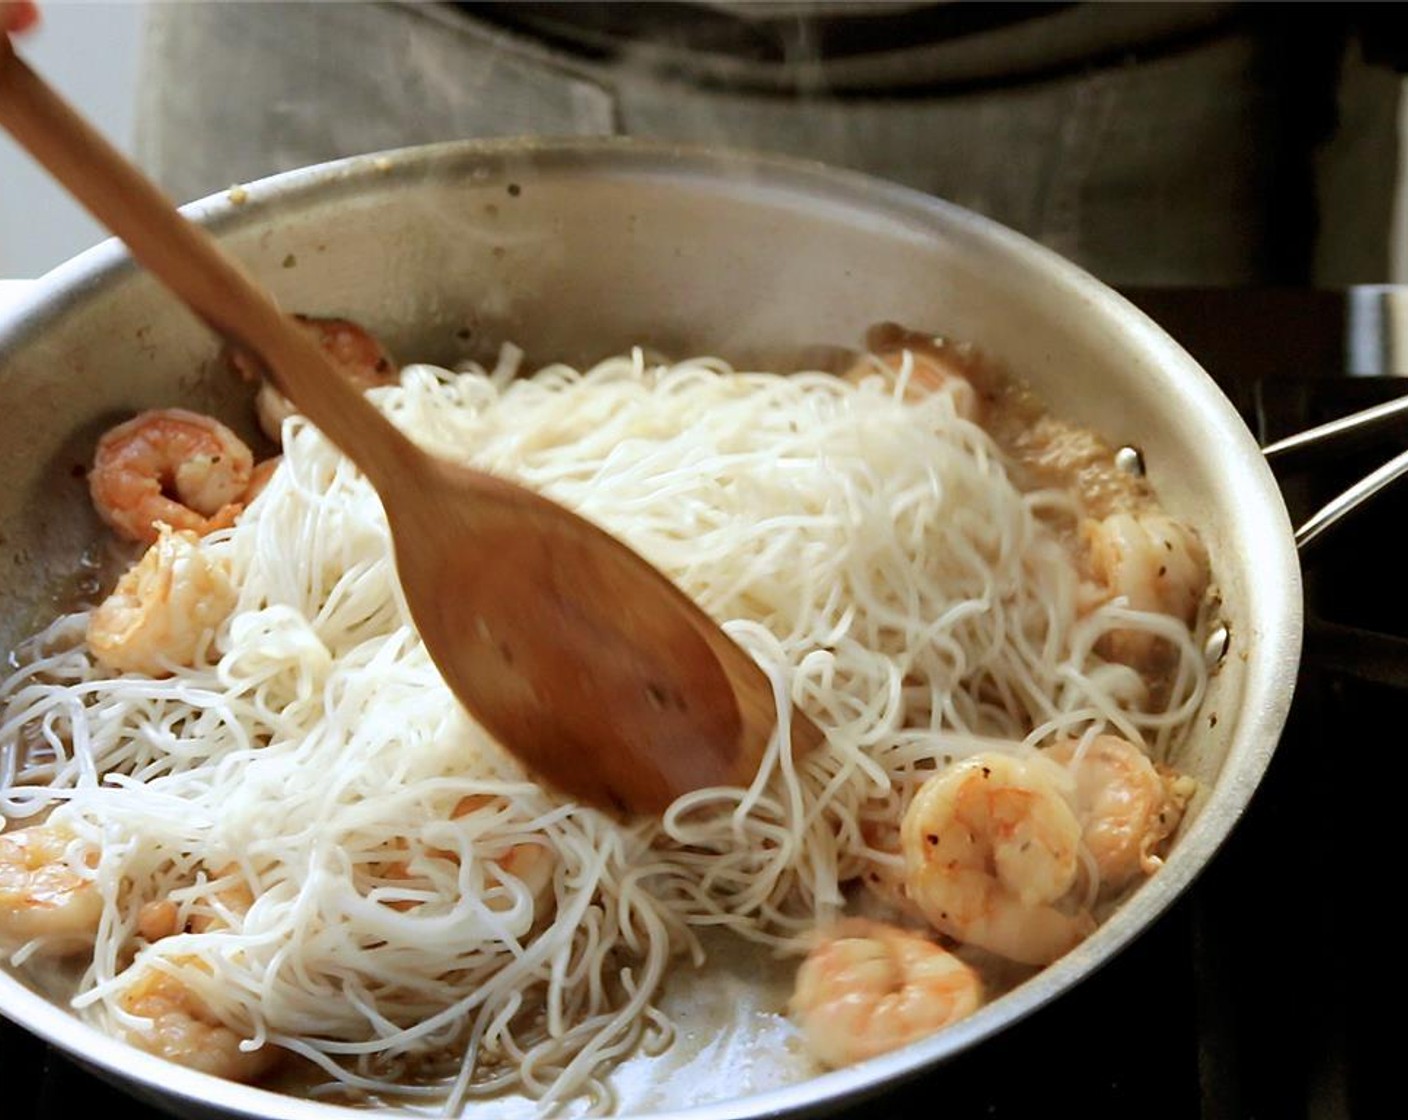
1210, 143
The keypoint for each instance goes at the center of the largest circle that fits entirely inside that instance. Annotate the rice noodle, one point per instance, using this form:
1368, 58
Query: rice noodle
871, 554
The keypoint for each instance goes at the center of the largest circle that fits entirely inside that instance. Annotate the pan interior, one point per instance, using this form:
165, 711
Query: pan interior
580, 250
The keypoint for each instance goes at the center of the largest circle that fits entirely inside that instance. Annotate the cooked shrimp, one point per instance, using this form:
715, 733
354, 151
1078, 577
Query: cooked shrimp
1128, 809
1157, 563
990, 848
530, 864
867, 988
42, 895
162, 608
884, 879
181, 1028
234, 899
357, 352
933, 367
353, 349
260, 476
173, 466
886, 885
160, 918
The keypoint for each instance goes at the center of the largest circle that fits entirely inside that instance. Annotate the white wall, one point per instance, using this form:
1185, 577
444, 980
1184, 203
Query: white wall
88, 51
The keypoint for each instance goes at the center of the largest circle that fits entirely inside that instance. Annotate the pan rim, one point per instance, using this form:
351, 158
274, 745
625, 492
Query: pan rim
1265, 700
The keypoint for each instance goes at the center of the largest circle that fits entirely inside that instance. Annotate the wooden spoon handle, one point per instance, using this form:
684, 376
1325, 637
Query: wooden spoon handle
186, 258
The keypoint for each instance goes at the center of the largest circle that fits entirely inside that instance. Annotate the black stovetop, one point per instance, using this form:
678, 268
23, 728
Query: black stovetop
1252, 997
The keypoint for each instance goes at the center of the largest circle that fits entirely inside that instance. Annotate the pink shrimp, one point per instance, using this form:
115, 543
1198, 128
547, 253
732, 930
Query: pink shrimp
867, 988
532, 865
1157, 563
355, 351
263, 472
1128, 807
163, 608
932, 368
991, 850
172, 466
175, 1023
42, 896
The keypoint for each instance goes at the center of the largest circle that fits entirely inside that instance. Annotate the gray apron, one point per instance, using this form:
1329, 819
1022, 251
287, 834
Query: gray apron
1153, 144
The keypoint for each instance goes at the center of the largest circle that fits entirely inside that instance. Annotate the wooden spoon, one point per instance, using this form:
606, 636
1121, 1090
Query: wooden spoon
581, 658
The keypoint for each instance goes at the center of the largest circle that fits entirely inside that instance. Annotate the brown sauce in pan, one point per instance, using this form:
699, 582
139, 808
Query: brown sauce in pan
1048, 452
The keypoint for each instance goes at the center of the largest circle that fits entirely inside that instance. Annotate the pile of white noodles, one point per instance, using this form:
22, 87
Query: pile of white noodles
871, 554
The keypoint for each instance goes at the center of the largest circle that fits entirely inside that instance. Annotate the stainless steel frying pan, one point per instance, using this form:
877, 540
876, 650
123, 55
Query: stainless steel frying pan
579, 249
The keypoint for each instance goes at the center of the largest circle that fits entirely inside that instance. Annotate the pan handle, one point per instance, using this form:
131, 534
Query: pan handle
1332, 511
1357, 428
